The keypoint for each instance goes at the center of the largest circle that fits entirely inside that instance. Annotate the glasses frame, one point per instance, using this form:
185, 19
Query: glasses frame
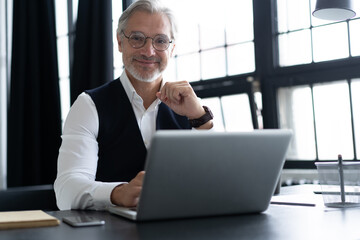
146, 37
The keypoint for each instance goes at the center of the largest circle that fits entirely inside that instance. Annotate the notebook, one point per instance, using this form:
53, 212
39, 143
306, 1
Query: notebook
26, 219
208, 173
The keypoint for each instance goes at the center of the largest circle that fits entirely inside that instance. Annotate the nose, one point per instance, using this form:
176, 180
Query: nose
148, 49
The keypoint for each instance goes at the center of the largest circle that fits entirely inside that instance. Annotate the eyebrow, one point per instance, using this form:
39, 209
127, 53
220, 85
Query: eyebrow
162, 34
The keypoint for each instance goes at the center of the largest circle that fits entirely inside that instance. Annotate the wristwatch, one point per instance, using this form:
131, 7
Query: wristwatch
195, 123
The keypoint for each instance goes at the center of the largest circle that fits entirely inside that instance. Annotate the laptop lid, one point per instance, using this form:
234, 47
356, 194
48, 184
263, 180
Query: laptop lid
206, 173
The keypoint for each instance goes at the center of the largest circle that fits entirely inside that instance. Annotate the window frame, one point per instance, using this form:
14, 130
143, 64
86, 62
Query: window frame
275, 77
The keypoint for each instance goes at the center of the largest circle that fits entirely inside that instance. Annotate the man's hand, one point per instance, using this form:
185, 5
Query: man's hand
181, 98
128, 194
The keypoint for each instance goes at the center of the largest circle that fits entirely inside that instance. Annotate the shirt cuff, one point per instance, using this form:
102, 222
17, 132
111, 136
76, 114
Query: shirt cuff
102, 195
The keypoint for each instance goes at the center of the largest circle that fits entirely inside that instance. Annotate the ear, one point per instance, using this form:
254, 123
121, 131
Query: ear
119, 42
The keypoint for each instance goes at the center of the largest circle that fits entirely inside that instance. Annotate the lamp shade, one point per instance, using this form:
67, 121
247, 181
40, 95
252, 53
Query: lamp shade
335, 10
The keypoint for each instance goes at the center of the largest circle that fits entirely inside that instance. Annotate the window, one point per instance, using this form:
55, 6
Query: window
212, 44
317, 92
226, 116
324, 111
5, 60
304, 39
117, 9
355, 37
64, 33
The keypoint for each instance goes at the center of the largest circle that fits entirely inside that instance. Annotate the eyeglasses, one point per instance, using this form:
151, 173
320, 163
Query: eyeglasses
160, 42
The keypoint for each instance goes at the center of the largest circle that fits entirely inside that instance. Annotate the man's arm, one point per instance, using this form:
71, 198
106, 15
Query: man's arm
181, 98
75, 185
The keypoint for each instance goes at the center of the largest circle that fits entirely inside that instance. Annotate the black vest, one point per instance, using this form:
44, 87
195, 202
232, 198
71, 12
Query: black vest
122, 151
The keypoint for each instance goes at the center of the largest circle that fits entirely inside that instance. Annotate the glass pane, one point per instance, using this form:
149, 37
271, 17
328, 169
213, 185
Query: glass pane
207, 29
114, 34
355, 37
333, 120
117, 9
170, 72
213, 63
188, 67
239, 12
237, 114
241, 58
117, 56
295, 112
118, 72
295, 48
188, 39
63, 56
212, 29
212, 33
75, 9
118, 63
293, 15
61, 15
330, 42
215, 106
64, 85
355, 93
282, 16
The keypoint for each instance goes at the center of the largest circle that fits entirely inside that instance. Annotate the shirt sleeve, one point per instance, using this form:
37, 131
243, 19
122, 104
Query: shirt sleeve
75, 186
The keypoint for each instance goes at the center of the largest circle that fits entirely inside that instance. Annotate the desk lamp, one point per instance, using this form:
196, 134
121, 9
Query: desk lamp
335, 10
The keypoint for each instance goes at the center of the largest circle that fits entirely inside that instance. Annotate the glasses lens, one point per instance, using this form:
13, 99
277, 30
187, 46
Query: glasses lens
161, 42
137, 40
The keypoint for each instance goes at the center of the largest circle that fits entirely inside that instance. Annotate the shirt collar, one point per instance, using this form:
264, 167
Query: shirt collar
132, 94
129, 89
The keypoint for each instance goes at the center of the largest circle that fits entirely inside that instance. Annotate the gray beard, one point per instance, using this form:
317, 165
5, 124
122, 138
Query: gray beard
141, 78
148, 78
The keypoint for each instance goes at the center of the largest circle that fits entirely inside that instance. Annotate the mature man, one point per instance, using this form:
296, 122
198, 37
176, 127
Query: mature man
108, 129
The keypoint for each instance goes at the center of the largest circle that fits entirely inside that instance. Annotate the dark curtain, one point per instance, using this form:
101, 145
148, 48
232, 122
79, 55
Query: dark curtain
93, 47
34, 119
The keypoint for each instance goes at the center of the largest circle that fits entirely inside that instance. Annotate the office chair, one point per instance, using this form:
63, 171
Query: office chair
41, 197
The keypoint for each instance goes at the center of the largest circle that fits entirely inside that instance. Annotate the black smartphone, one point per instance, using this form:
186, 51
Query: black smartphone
83, 221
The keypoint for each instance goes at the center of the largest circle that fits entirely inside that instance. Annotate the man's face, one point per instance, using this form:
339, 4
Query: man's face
145, 63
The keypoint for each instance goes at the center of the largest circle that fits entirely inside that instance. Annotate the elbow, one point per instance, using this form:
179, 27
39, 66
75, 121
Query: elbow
62, 201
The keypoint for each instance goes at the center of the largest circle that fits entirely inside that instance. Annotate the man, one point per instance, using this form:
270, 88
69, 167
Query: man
108, 129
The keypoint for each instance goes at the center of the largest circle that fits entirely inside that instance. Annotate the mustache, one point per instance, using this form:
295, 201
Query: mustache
151, 59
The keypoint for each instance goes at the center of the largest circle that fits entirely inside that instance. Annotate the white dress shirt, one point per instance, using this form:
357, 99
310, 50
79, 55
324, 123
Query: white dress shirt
75, 185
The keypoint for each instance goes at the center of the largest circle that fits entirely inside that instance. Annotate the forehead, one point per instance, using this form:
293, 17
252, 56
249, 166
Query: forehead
149, 23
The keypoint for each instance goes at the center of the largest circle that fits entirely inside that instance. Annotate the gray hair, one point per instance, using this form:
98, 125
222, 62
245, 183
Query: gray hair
150, 6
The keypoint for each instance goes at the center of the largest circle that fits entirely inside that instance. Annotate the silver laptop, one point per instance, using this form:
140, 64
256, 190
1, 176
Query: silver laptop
207, 173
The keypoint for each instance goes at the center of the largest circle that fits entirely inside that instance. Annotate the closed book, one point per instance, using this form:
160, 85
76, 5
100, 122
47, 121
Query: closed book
26, 219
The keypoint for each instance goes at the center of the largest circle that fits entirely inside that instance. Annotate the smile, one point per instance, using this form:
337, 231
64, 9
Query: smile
146, 61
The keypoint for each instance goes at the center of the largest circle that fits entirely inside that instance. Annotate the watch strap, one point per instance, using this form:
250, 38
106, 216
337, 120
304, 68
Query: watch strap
195, 123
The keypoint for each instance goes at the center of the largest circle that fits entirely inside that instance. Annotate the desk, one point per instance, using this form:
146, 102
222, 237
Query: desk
278, 222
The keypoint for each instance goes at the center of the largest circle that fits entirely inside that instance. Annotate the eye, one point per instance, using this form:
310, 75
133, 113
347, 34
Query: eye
161, 40
137, 37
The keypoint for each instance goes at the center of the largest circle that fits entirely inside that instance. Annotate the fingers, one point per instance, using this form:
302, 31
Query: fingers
181, 98
175, 92
138, 180
128, 194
